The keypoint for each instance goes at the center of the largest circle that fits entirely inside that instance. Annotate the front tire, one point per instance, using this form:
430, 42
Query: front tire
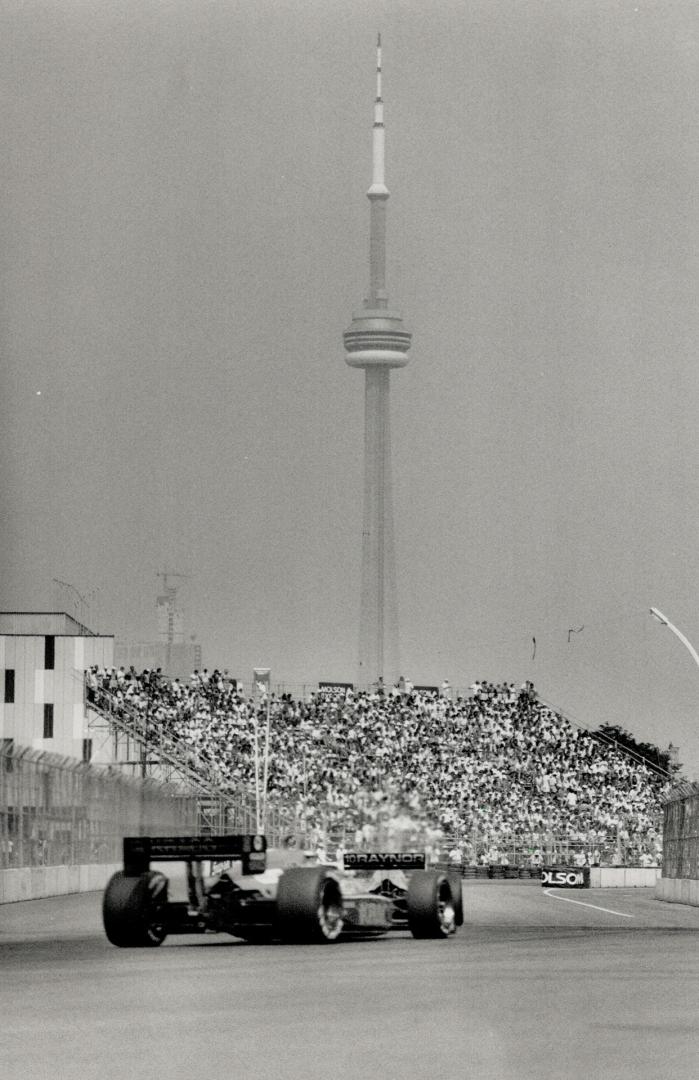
133, 908
431, 912
309, 905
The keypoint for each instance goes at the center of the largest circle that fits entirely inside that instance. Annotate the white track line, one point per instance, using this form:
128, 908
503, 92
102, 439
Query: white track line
567, 900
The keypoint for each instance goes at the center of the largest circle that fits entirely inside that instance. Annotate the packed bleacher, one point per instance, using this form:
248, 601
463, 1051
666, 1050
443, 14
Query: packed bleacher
495, 770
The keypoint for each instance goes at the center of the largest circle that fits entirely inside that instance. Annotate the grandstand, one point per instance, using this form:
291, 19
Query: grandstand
152, 749
492, 777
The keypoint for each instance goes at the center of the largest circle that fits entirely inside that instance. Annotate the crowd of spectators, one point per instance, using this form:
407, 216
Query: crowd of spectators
496, 770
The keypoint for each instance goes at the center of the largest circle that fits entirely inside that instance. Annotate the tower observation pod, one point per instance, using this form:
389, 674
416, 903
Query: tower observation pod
377, 341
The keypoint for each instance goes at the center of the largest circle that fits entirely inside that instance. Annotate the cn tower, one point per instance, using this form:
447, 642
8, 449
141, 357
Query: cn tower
377, 341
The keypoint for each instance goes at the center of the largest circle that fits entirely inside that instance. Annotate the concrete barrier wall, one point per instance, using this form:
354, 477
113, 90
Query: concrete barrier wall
678, 891
35, 882
623, 877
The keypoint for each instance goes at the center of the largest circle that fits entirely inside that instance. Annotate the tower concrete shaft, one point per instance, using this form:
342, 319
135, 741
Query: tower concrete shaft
377, 341
378, 617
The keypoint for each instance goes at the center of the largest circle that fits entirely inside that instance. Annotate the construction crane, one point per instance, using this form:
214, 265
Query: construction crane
168, 631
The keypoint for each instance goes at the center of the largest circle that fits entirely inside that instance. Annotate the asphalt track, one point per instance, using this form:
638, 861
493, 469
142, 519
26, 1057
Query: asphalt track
532, 986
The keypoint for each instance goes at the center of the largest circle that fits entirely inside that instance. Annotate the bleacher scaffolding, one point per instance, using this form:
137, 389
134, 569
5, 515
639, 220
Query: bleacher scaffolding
145, 749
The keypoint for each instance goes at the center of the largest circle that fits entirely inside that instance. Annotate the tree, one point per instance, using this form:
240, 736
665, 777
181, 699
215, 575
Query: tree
661, 759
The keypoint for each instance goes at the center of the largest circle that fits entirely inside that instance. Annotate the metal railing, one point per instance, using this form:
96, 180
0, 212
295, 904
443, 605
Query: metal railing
158, 751
162, 754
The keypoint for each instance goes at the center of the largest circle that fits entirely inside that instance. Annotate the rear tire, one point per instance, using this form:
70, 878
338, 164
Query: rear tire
133, 909
309, 905
431, 912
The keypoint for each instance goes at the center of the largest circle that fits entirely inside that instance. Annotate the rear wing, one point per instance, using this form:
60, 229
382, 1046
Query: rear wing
384, 860
141, 851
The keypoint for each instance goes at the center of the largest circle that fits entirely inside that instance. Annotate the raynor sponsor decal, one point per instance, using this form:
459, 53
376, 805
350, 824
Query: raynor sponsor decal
384, 860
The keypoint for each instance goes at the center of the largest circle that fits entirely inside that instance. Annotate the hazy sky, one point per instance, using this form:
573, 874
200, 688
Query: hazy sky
183, 239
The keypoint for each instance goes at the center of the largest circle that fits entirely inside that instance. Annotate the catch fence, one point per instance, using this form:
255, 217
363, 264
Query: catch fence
681, 849
495, 853
55, 811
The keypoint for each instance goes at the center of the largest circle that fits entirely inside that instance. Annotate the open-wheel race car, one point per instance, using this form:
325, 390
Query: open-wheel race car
372, 894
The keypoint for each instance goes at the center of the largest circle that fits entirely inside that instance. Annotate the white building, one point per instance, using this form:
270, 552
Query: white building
43, 657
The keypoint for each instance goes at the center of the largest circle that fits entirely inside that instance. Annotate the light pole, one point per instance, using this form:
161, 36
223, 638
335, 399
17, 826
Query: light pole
262, 688
678, 633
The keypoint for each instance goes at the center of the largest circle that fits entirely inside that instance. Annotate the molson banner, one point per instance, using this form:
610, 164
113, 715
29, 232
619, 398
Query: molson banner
565, 877
334, 691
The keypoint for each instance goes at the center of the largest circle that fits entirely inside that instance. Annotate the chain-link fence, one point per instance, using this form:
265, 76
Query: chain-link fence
495, 849
614, 848
56, 811
681, 850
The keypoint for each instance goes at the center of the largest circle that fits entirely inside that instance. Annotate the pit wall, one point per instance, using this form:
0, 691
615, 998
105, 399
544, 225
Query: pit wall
35, 882
678, 891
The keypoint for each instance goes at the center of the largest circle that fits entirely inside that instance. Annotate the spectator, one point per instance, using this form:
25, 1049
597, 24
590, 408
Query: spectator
496, 768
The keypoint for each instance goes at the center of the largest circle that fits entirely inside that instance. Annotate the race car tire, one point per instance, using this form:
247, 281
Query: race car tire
457, 897
431, 912
309, 905
132, 910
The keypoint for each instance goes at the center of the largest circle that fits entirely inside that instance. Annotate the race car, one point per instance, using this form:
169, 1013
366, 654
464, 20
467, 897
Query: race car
372, 894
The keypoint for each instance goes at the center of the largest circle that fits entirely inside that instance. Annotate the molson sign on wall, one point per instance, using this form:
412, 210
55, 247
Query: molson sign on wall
566, 877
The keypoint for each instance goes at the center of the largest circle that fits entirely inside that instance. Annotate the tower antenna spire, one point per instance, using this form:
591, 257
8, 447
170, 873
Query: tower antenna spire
378, 157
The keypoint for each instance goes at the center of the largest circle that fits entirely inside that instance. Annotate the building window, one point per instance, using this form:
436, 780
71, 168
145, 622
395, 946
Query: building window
9, 686
49, 651
48, 721
87, 750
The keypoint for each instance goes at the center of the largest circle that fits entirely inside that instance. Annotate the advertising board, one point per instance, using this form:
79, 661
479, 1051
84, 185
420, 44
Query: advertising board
333, 691
565, 877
